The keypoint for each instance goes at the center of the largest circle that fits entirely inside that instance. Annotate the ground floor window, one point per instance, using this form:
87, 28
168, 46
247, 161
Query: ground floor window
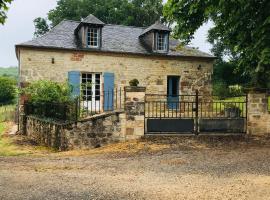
91, 89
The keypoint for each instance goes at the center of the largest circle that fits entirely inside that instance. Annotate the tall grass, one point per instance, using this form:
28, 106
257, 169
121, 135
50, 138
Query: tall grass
7, 113
6, 147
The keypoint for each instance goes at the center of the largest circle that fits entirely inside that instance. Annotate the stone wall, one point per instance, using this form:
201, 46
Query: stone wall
88, 133
95, 131
151, 71
134, 107
258, 114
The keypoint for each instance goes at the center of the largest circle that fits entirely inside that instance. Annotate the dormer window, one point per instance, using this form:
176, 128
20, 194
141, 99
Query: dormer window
162, 42
93, 37
89, 33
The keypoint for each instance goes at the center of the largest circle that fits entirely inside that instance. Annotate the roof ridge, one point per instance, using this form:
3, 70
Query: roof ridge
70, 20
141, 27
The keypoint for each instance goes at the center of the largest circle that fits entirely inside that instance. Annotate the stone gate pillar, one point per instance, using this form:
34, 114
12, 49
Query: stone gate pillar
258, 114
134, 106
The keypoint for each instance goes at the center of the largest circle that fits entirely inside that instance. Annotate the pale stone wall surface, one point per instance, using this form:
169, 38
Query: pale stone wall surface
151, 71
134, 107
258, 114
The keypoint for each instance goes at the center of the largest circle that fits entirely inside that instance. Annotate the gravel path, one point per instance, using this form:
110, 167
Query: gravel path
206, 173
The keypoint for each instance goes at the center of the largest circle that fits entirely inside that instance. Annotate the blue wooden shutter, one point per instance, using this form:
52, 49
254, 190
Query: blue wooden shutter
74, 81
108, 91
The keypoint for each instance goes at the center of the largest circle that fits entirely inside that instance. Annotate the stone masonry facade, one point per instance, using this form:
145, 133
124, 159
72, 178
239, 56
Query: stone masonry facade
258, 114
151, 71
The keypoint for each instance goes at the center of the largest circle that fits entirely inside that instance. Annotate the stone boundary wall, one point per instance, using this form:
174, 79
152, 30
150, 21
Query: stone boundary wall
94, 131
88, 133
258, 114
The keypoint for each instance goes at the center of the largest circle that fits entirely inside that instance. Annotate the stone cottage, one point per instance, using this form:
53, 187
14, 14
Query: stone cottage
90, 51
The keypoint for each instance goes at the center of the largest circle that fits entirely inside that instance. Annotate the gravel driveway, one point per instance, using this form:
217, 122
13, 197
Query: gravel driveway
178, 172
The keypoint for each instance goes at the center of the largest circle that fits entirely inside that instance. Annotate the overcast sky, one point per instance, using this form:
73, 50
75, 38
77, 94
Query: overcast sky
19, 28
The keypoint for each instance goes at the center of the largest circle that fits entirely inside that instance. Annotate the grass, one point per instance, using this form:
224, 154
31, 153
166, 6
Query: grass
237, 101
7, 113
6, 146
18, 145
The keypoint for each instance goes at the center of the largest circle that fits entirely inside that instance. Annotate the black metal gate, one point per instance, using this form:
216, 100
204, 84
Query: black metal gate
194, 114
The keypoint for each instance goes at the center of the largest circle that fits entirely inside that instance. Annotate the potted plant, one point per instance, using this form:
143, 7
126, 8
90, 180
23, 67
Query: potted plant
231, 110
134, 83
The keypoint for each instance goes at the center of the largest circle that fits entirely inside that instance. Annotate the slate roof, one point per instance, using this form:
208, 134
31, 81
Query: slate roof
156, 26
91, 19
115, 39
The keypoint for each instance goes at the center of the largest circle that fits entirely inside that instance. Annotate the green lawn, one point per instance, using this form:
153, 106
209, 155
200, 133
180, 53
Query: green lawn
219, 105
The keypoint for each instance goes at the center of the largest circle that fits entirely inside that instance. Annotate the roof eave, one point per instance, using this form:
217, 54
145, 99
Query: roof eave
117, 52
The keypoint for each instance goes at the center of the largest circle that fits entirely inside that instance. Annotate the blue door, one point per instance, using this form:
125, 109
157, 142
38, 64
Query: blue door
108, 91
173, 92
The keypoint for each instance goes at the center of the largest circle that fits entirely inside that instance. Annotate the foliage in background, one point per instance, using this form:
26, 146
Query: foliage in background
241, 31
124, 12
7, 90
41, 26
9, 72
223, 90
3, 10
45, 91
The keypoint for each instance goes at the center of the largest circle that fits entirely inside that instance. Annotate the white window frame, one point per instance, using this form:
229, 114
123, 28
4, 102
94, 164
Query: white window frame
163, 47
92, 37
91, 98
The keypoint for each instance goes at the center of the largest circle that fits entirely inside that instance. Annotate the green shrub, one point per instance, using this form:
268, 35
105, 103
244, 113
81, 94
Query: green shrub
134, 82
48, 92
236, 90
7, 90
221, 90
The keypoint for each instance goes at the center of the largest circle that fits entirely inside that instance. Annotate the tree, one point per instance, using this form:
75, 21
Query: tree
41, 27
3, 10
7, 90
125, 12
241, 30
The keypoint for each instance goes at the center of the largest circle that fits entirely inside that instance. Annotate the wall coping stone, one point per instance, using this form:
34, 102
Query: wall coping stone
102, 115
256, 90
135, 89
47, 120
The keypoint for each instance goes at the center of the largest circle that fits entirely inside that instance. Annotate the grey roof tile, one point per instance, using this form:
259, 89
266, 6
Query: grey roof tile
91, 19
115, 38
156, 26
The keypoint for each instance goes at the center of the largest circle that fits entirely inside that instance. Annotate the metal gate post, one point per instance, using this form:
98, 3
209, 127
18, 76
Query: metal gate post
197, 113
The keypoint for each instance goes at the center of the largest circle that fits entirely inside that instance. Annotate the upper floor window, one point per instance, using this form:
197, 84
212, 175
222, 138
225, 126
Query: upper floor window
93, 35
162, 42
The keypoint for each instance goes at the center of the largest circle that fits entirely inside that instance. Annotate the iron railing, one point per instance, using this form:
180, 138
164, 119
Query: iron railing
57, 111
191, 106
104, 102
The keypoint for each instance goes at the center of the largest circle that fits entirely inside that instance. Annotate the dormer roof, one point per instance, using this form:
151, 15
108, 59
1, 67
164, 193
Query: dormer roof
91, 19
156, 26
